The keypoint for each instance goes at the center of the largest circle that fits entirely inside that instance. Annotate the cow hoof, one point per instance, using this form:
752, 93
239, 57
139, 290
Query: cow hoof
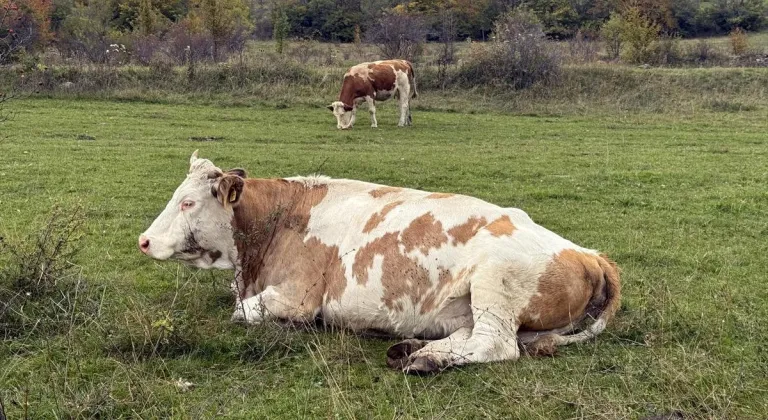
238, 316
397, 355
422, 366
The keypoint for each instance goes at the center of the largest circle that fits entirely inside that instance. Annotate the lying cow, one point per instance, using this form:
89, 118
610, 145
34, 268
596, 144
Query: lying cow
479, 280
371, 82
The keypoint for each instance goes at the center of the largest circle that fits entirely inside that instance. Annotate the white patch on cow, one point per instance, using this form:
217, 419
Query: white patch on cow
344, 119
310, 181
194, 227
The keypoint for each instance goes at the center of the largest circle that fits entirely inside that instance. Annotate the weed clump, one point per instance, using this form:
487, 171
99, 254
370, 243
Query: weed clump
739, 41
41, 289
519, 57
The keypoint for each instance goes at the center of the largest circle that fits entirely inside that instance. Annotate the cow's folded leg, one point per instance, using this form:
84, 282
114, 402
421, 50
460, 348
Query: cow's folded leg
272, 303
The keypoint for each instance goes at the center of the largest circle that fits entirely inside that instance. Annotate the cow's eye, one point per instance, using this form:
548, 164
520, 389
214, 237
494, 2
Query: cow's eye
187, 204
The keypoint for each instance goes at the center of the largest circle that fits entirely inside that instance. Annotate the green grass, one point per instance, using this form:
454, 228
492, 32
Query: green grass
678, 200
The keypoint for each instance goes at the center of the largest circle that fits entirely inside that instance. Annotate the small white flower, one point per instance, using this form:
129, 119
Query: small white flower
183, 386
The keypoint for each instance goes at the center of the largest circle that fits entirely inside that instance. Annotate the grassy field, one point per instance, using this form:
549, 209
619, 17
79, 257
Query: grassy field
678, 200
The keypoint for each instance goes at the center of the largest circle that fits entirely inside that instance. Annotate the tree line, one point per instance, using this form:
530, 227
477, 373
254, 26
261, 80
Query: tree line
88, 26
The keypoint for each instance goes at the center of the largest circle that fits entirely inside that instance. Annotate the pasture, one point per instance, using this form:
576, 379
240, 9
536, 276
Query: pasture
678, 200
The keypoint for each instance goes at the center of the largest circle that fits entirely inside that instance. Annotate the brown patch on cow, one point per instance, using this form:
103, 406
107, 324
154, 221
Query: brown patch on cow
424, 233
382, 191
464, 232
442, 289
437, 196
334, 279
501, 226
400, 276
378, 217
382, 77
270, 222
570, 282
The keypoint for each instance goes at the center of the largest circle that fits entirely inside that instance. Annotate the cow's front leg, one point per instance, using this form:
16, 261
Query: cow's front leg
372, 109
273, 303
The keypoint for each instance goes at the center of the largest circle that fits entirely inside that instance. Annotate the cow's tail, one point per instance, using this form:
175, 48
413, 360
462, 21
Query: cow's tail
602, 307
412, 80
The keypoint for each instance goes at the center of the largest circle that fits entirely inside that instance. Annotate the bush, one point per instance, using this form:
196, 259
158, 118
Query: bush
611, 35
582, 48
399, 35
739, 41
703, 53
638, 35
519, 57
184, 42
666, 51
41, 291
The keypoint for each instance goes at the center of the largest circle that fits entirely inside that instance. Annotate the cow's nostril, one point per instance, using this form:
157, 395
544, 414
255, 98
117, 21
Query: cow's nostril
144, 244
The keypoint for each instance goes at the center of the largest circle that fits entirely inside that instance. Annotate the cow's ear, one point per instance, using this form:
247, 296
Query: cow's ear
330, 107
237, 172
348, 108
228, 190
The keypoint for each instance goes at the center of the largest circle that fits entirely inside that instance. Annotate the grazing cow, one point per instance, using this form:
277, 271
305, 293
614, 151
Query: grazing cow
371, 82
481, 281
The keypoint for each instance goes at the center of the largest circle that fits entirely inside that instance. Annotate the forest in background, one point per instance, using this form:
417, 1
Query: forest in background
217, 27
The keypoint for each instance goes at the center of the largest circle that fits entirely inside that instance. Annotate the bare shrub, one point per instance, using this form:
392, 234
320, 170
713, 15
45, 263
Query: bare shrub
666, 51
183, 42
519, 57
739, 41
582, 48
4, 113
447, 55
306, 51
399, 35
40, 287
144, 47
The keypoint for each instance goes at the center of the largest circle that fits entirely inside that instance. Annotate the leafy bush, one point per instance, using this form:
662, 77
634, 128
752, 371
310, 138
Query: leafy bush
519, 57
638, 35
399, 35
739, 41
24, 26
611, 35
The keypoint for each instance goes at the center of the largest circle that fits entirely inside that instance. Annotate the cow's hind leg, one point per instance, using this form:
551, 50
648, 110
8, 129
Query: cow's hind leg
493, 335
404, 95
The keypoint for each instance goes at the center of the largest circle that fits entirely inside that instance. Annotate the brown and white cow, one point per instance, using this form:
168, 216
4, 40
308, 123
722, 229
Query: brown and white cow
371, 82
480, 281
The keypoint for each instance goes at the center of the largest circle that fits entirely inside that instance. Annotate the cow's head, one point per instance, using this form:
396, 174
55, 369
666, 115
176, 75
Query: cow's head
195, 226
345, 114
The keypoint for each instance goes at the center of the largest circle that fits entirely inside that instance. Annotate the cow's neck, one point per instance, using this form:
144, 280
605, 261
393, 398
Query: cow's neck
268, 209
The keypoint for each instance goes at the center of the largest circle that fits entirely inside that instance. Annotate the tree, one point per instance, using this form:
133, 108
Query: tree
611, 35
24, 26
638, 34
280, 27
223, 19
